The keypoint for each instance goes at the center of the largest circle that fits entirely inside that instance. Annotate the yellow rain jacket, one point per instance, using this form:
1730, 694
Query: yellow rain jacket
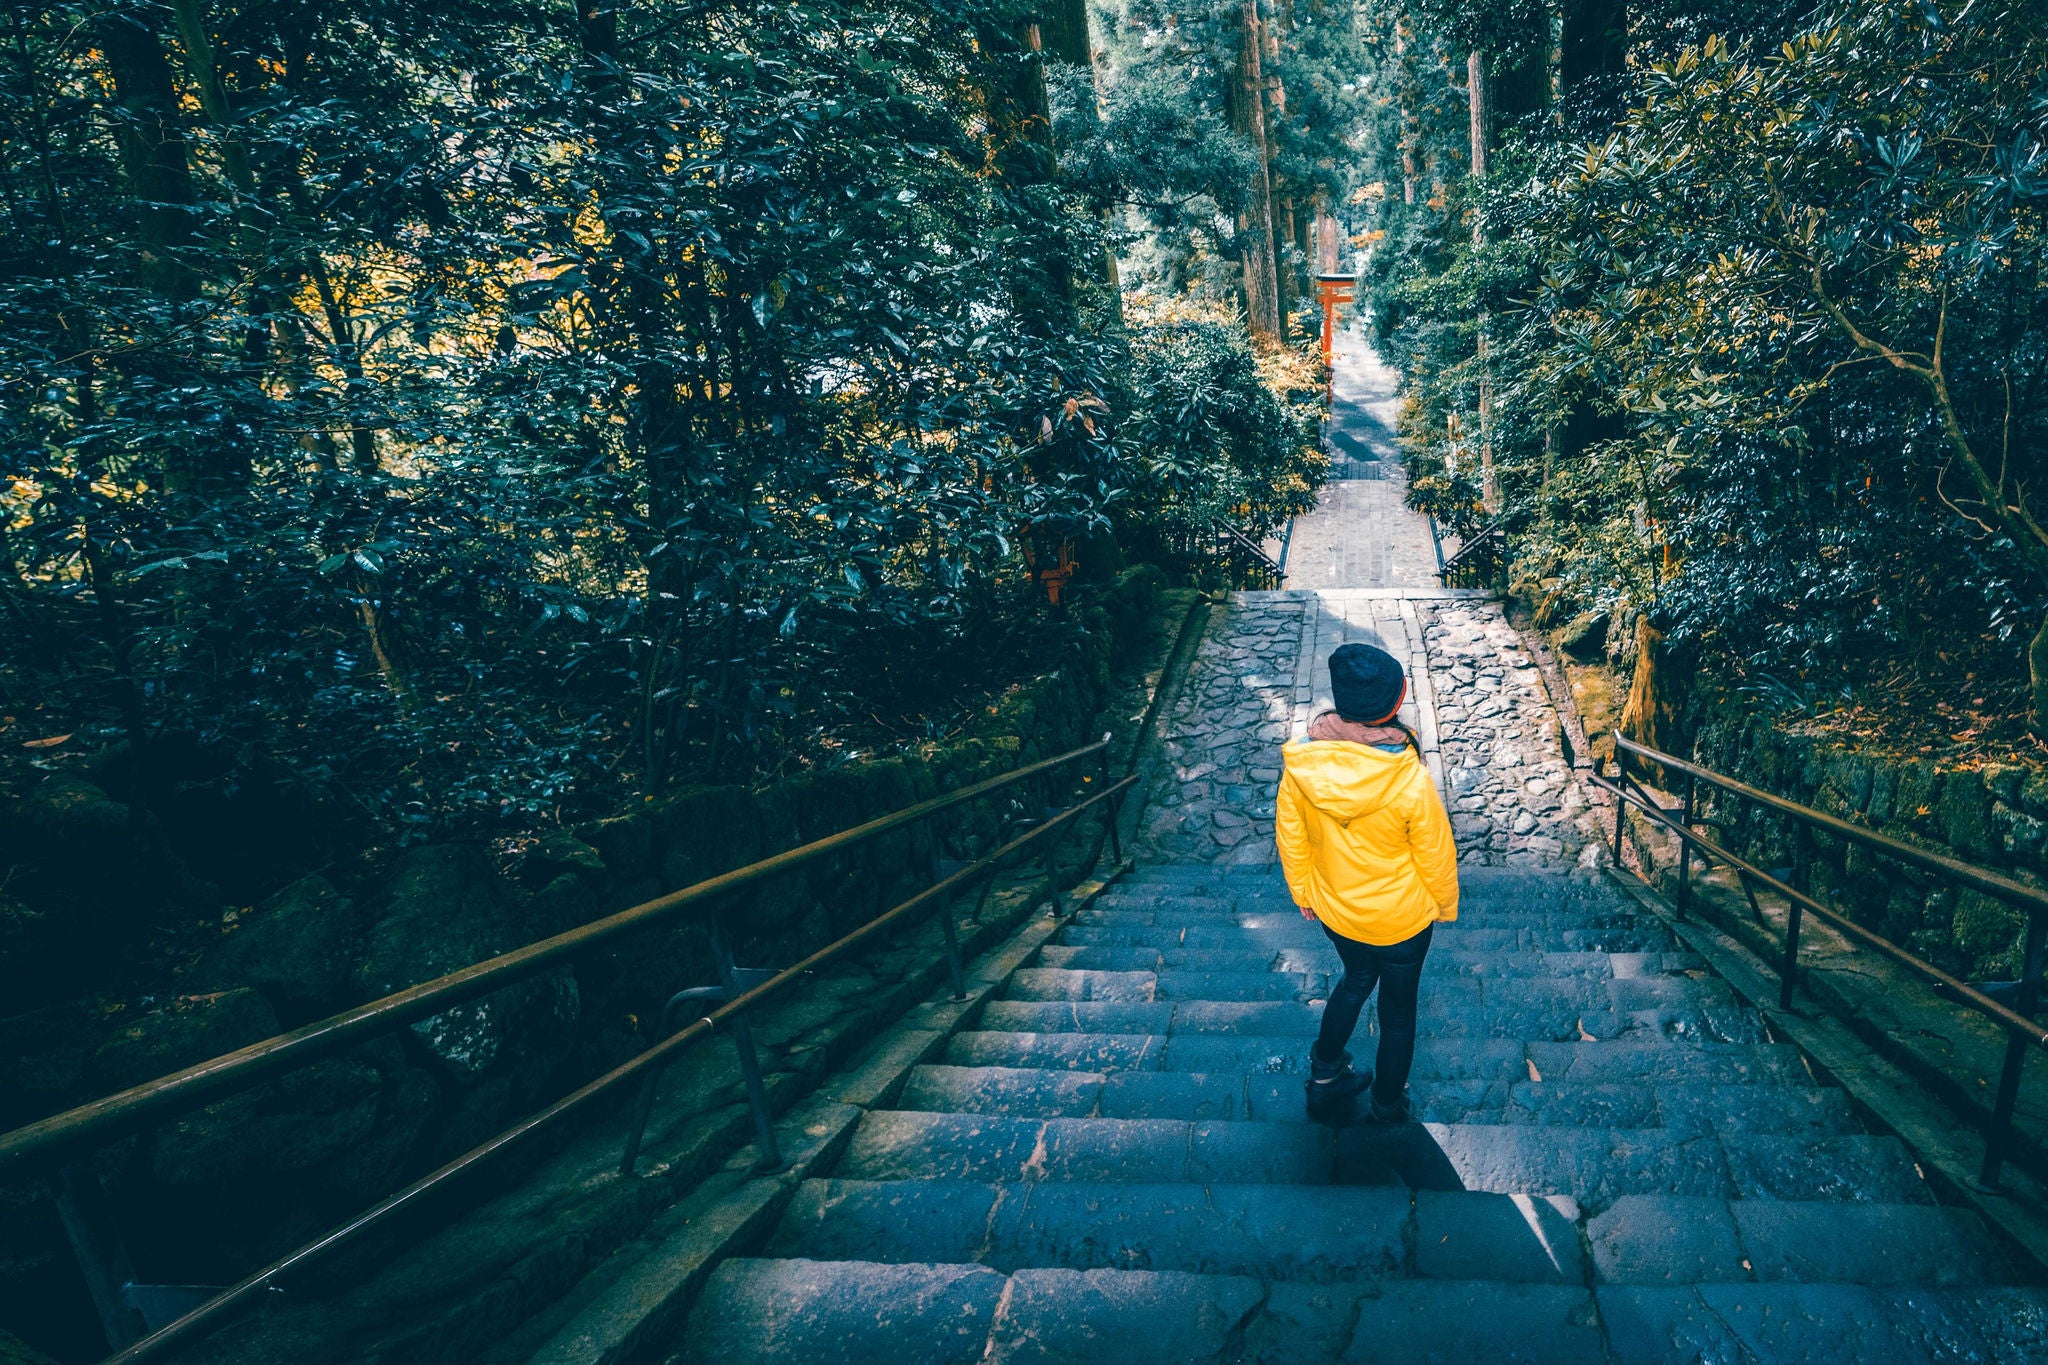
1364, 840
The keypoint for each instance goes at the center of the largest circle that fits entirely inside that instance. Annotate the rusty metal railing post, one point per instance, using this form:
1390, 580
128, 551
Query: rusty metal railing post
1788, 974
743, 1044
1620, 801
1114, 807
1999, 1135
1685, 846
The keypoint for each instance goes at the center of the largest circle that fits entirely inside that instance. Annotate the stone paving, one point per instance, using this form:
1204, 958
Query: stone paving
1512, 795
1362, 535
1476, 702
1358, 572
1212, 800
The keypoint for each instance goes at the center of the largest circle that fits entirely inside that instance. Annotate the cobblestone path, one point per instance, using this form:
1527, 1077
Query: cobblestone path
1362, 535
1476, 701
1512, 795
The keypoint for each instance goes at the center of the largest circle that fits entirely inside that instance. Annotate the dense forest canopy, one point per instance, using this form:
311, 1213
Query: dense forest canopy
496, 412
493, 411
1742, 329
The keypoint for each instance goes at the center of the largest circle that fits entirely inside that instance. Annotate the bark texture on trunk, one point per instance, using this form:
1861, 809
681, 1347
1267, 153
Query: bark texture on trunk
1063, 27
1329, 250
1595, 41
1255, 224
1476, 87
1646, 717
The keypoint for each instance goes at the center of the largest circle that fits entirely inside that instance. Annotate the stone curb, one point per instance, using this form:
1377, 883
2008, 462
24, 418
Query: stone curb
636, 1316
1947, 1150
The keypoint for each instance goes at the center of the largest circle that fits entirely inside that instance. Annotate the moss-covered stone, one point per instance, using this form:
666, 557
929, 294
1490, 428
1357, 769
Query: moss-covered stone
1964, 813
298, 947
1985, 930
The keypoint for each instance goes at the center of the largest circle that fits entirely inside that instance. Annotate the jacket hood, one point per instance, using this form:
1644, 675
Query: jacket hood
1330, 725
1346, 780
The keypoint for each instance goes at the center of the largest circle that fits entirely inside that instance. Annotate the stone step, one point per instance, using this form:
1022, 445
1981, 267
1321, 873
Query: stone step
1822, 1324
1442, 961
1595, 1166
1666, 1239
1443, 993
802, 1312
1502, 1060
1555, 1018
1548, 880
1335, 1234
1306, 1234
1023, 1092
1217, 915
1203, 900
1063, 983
1294, 932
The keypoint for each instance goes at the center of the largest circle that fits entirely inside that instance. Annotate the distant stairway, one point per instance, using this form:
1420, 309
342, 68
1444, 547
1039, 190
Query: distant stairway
1615, 1165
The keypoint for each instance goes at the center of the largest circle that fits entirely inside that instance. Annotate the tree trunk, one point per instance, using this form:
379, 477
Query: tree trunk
1255, 223
1475, 82
1646, 716
1064, 31
1411, 128
1279, 195
1063, 27
1021, 154
1475, 92
152, 141
1595, 41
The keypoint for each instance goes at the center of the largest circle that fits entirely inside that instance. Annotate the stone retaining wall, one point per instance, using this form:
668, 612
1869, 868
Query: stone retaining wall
1995, 817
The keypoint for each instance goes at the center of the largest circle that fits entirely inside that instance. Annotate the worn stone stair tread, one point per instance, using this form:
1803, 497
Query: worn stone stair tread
1446, 997
1298, 933
1066, 983
1823, 1324
1558, 1018
843, 1313
837, 1312
1506, 1060
809, 1312
1026, 1092
1444, 963
1668, 1239
1309, 1234
1593, 1165
1284, 1232
1118, 916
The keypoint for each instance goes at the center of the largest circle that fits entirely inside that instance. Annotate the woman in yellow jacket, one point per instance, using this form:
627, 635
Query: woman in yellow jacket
1367, 850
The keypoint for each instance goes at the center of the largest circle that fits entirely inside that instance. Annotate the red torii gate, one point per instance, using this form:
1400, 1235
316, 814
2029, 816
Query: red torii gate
1331, 291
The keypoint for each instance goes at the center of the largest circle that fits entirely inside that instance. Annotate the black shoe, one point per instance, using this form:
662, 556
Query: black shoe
1333, 1085
1397, 1112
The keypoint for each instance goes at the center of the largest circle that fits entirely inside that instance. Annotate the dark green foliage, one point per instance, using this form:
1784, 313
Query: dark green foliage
1219, 443
1715, 325
481, 406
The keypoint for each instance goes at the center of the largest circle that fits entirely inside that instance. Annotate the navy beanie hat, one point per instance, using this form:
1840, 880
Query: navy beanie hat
1366, 683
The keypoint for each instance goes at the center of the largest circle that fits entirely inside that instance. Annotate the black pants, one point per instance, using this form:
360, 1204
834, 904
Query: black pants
1397, 970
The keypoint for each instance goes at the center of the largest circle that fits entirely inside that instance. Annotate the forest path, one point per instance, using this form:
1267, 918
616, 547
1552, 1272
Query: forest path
1363, 533
1476, 701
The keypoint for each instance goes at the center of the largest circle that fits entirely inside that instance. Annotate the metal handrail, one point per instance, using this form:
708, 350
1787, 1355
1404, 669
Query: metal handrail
1246, 545
208, 1314
103, 1119
2023, 1032
1489, 532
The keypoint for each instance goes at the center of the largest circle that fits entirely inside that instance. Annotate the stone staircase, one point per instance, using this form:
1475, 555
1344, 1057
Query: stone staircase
1614, 1164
